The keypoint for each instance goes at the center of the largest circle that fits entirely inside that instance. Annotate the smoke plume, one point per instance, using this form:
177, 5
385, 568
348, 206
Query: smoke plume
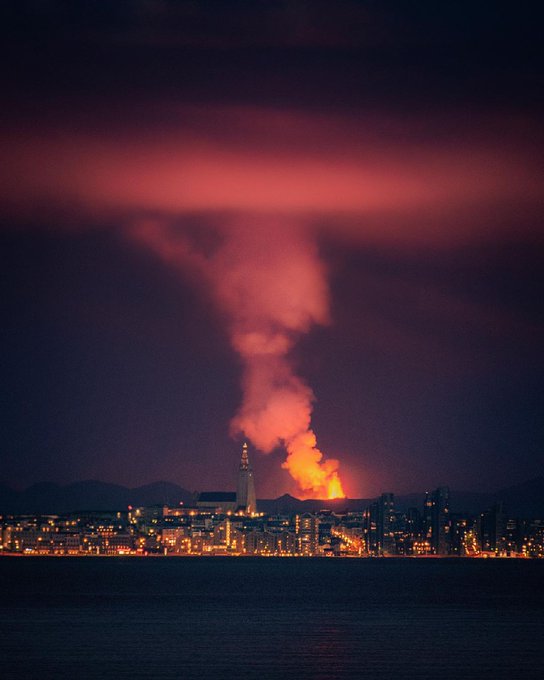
269, 282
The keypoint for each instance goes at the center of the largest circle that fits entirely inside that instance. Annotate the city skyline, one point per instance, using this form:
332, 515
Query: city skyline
218, 524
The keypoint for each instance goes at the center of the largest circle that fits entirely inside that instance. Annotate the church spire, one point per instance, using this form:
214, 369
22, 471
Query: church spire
244, 461
245, 494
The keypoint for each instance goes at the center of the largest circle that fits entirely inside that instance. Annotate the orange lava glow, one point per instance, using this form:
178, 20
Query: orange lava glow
316, 477
335, 489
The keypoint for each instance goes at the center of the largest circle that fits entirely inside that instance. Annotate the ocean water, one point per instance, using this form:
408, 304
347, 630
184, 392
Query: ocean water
271, 618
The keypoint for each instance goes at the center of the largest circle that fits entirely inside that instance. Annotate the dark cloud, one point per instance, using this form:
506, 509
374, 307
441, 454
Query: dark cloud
421, 55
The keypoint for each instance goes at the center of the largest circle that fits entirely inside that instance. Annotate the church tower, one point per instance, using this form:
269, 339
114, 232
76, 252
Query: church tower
245, 493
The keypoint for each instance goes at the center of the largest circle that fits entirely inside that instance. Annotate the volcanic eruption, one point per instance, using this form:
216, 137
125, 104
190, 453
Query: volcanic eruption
266, 277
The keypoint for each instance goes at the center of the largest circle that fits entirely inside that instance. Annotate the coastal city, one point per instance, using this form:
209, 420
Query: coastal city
230, 523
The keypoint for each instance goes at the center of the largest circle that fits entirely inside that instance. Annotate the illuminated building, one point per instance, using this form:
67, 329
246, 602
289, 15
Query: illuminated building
386, 521
307, 533
513, 536
370, 529
218, 501
245, 493
378, 524
492, 529
413, 530
229, 501
532, 542
461, 537
436, 520
222, 533
260, 542
173, 538
286, 543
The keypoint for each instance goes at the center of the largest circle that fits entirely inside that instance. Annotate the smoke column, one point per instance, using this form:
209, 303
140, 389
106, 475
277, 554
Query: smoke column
271, 286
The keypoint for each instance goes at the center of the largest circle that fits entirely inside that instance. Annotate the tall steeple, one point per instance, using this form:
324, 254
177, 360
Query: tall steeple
245, 493
244, 462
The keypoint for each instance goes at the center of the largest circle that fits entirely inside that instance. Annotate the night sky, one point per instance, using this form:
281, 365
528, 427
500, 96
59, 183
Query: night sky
198, 196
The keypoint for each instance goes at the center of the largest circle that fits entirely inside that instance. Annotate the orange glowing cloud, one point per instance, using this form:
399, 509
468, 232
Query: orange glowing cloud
369, 175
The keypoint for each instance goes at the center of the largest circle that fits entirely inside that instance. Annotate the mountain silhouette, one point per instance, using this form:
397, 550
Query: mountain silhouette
521, 500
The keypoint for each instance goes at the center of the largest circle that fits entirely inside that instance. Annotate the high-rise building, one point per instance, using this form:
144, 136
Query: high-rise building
378, 525
307, 533
245, 493
492, 529
436, 520
386, 522
370, 529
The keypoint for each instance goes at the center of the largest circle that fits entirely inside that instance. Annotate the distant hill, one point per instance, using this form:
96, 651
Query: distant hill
88, 495
289, 504
522, 500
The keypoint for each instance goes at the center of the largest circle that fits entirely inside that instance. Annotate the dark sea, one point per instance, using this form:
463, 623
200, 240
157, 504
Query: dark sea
271, 618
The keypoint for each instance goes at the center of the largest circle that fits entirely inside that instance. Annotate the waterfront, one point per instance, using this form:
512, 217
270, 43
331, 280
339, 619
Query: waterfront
271, 618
